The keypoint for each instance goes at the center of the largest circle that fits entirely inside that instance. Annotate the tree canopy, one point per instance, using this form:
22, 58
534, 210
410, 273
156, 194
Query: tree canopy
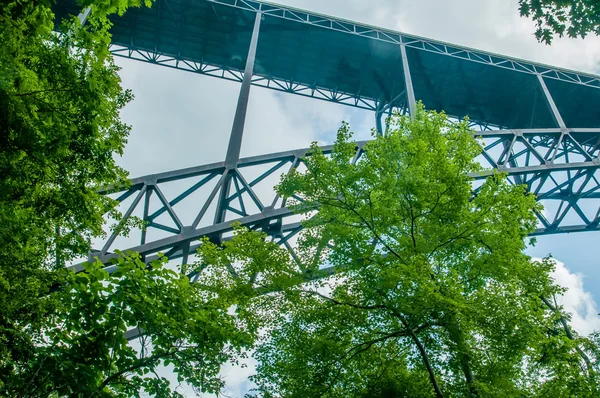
60, 97
432, 293
63, 334
571, 18
81, 349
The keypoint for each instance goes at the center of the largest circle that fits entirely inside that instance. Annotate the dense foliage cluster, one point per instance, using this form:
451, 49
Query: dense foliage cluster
62, 334
432, 293
59, 121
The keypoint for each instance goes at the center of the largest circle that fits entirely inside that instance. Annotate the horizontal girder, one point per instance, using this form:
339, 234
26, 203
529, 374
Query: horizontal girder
560, 167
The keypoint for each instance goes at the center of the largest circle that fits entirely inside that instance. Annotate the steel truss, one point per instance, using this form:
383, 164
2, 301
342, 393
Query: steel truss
270, 82
560, 165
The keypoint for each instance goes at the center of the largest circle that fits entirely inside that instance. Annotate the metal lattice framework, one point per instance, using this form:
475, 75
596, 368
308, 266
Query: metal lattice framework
557, 166
538, 123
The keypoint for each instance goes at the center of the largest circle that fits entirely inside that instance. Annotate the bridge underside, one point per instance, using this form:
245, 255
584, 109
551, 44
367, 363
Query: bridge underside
540, 124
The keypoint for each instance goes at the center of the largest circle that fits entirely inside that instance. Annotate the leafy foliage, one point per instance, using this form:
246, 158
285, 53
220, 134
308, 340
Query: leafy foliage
571, 18
82, 349
60, 97
432, 294
63, 334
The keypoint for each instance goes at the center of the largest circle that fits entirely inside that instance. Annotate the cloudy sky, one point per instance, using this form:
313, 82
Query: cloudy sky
183, 119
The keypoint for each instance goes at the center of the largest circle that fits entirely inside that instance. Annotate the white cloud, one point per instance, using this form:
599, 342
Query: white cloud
236, 378
278, 122
179, 119
577, 300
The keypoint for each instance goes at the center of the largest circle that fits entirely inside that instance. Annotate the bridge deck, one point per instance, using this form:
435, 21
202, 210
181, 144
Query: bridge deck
356, 64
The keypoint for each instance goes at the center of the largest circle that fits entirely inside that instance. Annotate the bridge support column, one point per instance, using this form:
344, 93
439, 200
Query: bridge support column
237, 129
382, 111
83, 15
410, 93
378, 114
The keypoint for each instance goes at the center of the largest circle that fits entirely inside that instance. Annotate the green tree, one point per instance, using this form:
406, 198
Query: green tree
432, 294
81, 350
63, 334
60, 97
188, 330
571, 18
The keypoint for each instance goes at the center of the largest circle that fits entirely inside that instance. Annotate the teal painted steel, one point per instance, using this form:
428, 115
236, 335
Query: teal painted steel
538, 123
346, 62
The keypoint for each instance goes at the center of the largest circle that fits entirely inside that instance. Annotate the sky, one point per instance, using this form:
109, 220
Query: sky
183, 119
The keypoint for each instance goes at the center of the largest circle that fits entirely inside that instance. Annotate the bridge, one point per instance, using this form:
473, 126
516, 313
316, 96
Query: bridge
538, 123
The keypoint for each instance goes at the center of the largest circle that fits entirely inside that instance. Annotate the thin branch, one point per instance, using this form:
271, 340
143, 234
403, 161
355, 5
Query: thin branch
408, 331
58, 90
373, 231
569, 334
412, 220
368, 344
138, 365
463, 235
334, 301
425, 358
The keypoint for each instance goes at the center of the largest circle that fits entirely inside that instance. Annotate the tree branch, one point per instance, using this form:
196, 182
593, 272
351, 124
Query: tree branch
569, 334
457, 337
413, 335
373, 231
368, 344
425, 358
334, 301
57, 90
412, 220
138, 365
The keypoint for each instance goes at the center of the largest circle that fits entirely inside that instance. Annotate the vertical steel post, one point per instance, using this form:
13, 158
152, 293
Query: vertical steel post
378, 113
410, 93
237, 129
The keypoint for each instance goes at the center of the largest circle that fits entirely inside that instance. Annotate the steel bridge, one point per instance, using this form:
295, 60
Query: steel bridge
538, 123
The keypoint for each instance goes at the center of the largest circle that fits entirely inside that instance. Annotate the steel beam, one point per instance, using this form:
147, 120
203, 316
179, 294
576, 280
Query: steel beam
410, 92
553, 108
538, 161
237, 130
289, 155
378, 114
189, 234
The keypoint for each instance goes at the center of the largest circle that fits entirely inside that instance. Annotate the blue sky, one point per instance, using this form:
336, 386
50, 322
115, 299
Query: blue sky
183, 119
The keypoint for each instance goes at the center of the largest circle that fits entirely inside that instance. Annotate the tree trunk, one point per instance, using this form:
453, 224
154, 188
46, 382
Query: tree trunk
463, 353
